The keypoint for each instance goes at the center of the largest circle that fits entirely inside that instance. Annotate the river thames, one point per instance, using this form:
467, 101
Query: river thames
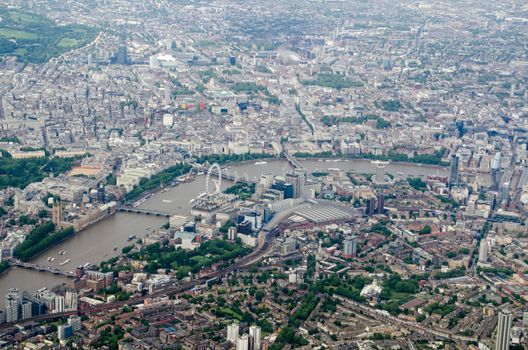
106, 238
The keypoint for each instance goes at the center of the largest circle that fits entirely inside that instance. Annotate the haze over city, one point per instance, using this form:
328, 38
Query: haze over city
298, 174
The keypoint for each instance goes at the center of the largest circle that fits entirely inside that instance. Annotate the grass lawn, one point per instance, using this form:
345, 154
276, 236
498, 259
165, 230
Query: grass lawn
9, 33
20, 51
200, 260
68, 42
25, 18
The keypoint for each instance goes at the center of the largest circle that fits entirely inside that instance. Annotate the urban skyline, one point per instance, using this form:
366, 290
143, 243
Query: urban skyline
299, 174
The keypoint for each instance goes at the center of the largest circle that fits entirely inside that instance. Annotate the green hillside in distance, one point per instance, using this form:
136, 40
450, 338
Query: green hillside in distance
33, 38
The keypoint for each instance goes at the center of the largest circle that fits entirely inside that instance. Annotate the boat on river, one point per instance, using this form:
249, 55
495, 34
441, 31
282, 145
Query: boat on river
379, 162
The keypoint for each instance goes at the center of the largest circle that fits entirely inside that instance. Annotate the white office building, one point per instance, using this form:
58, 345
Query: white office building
59, 304
483, 251
70, 301
26, 309
243, 342
75, 323
255, 337
12, 305
503, 331
350, 247
232, 332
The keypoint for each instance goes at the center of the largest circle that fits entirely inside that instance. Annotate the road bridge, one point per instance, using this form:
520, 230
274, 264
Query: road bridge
291, 159
48, 269
130, 209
